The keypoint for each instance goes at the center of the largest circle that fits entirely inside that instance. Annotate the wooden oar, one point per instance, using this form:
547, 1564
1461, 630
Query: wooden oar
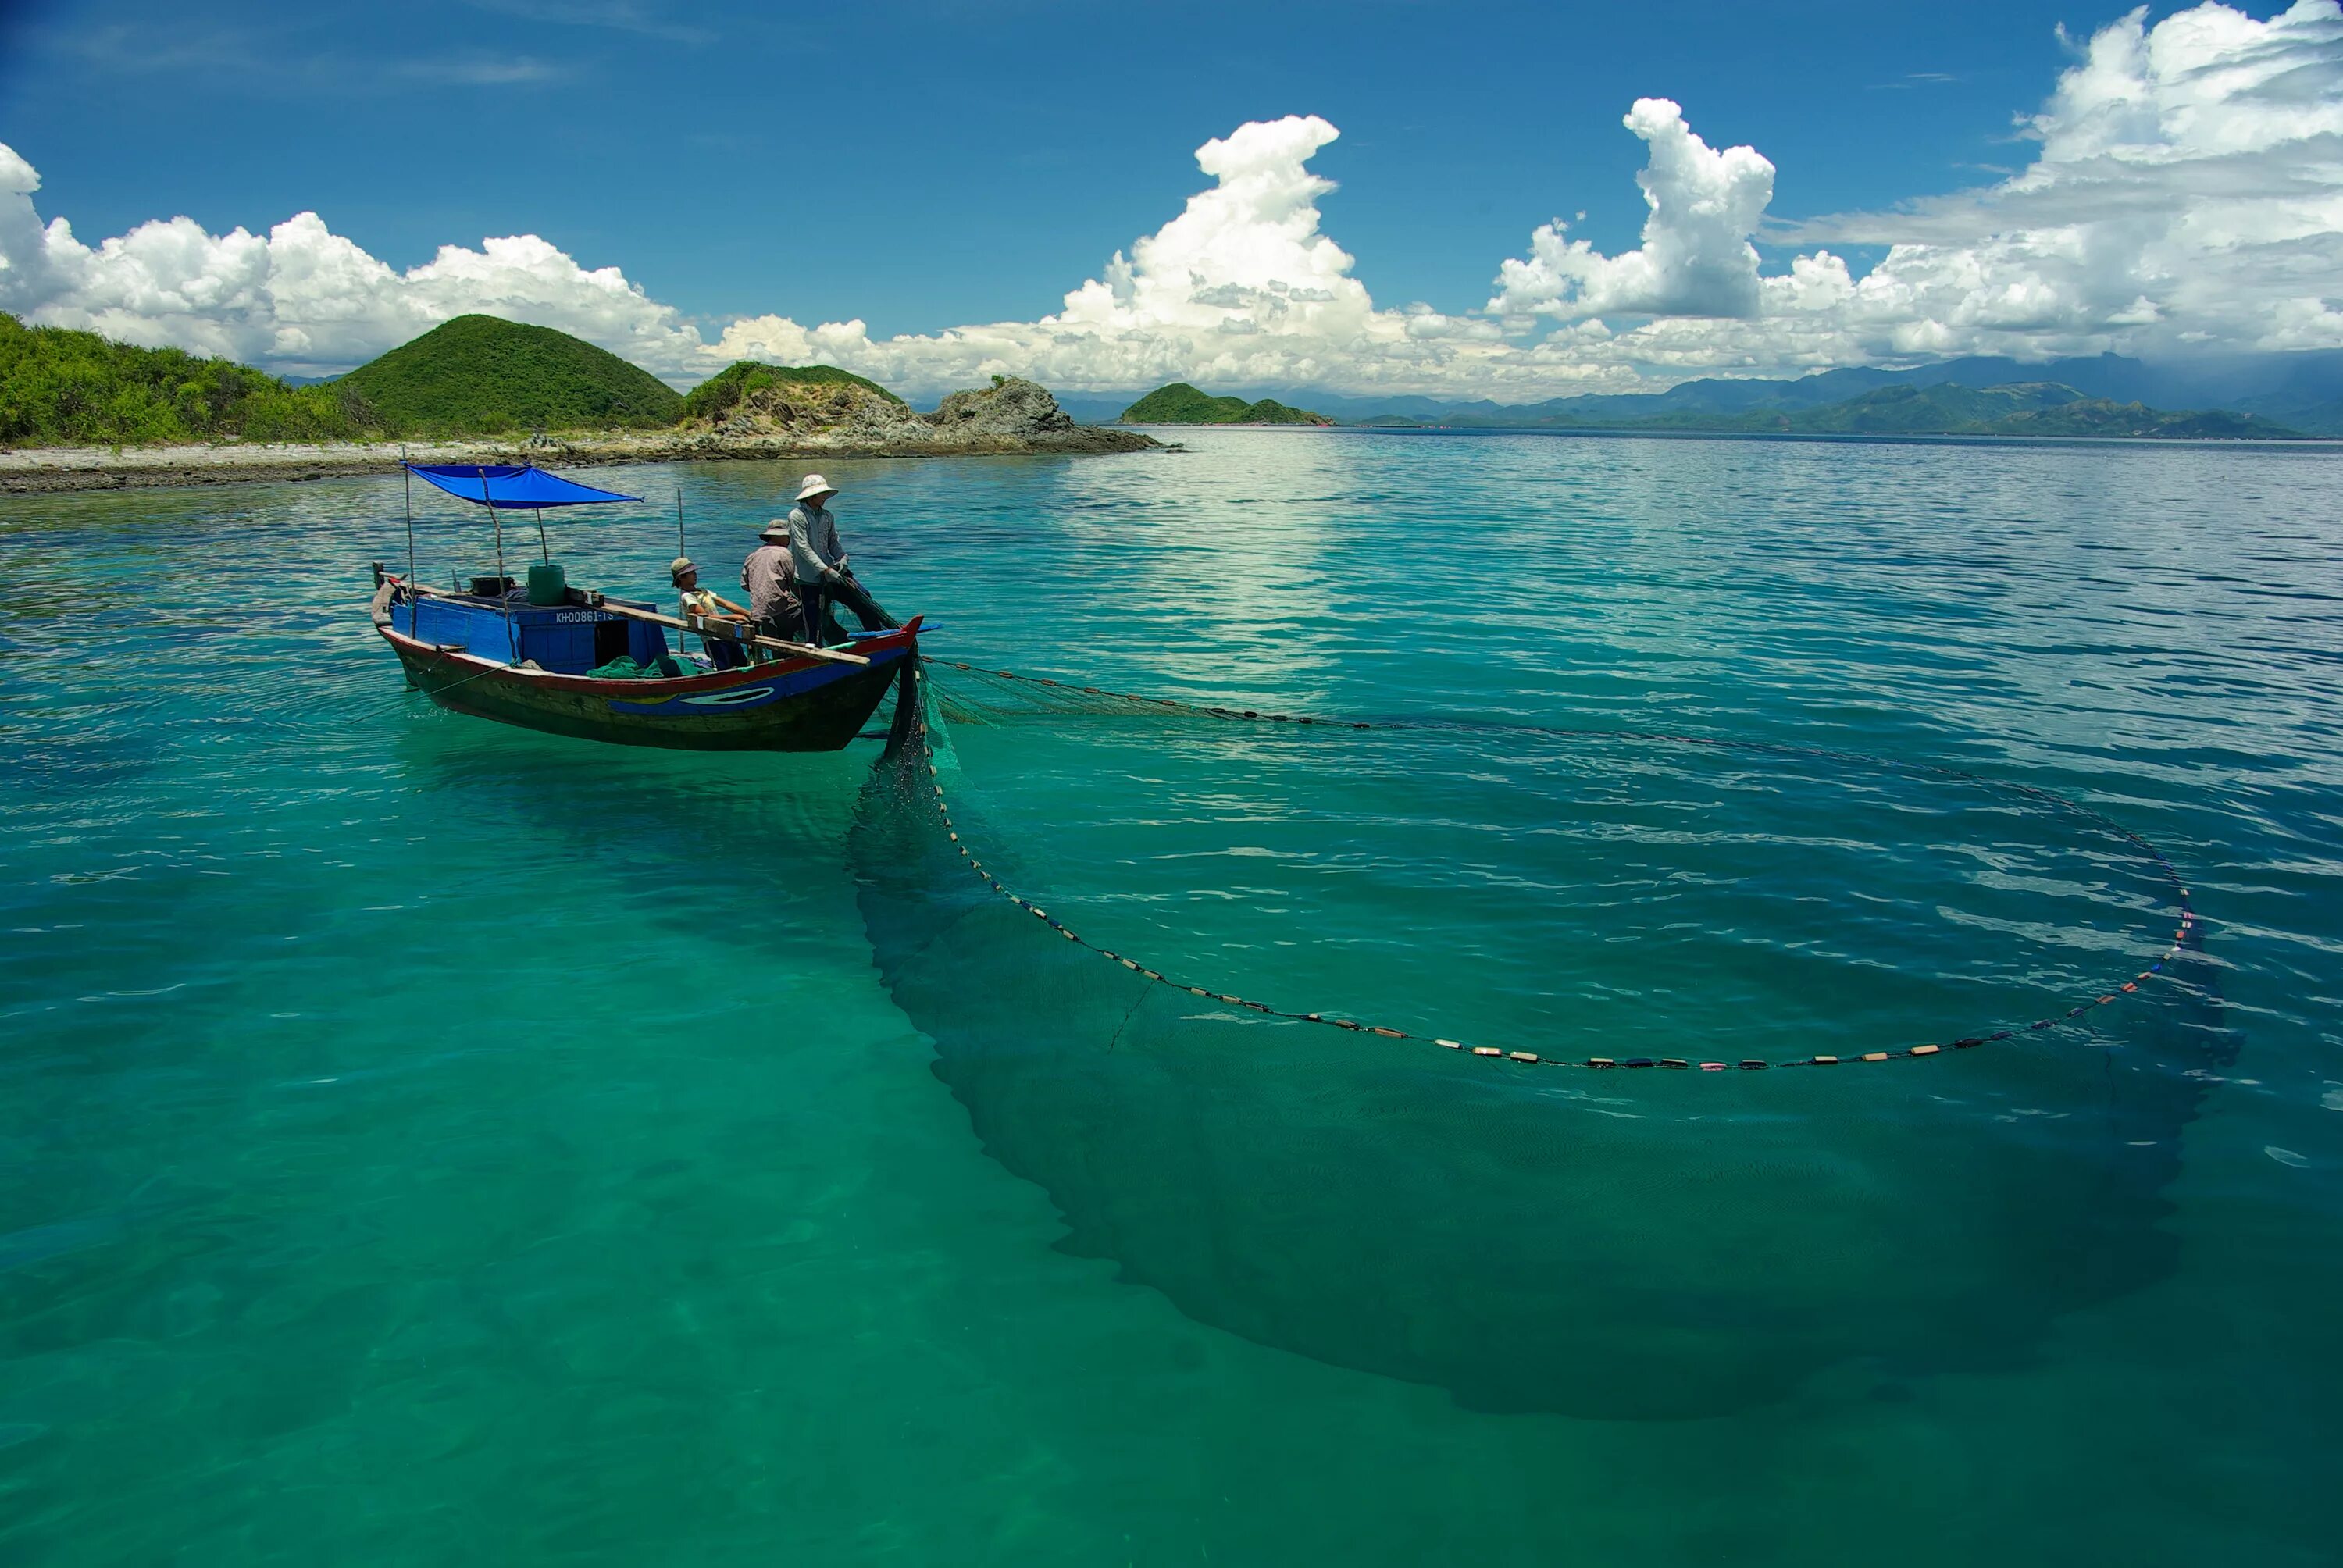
722, 629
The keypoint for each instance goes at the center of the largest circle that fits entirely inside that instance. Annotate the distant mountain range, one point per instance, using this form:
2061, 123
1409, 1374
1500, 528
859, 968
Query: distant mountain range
2292, 392
2040, 408
480, 375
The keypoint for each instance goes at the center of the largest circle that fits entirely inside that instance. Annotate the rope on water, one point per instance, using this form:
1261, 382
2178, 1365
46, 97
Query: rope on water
2187, 913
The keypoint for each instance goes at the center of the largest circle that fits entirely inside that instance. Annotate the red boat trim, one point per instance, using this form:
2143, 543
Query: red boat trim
650, 690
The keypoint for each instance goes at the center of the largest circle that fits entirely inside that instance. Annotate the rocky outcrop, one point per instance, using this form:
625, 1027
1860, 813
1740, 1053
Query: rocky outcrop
1016, 415
1010, 416
829, 414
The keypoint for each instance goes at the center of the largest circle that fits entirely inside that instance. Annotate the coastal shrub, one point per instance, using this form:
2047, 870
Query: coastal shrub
62, 388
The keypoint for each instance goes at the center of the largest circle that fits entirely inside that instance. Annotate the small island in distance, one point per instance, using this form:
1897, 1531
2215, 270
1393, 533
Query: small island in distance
1181, 404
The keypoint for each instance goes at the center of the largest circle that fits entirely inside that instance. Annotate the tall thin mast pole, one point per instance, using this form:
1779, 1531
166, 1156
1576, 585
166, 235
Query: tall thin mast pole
408, 474
504, 599
679, 522
542, 548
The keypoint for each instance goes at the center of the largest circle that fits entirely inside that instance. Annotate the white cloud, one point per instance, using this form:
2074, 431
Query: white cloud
2188, 192
302, 298
1241, 288
1696, 259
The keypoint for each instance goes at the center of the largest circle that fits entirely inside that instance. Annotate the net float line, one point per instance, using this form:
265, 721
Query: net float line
2186, 913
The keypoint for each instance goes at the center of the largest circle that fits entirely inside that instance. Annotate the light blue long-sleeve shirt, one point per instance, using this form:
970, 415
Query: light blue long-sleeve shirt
814, 549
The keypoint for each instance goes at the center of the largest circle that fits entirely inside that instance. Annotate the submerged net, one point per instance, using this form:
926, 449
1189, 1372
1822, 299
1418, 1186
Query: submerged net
996, 698
1603, 1243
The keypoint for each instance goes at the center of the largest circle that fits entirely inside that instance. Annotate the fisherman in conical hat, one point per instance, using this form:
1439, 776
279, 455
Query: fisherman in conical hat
819, 563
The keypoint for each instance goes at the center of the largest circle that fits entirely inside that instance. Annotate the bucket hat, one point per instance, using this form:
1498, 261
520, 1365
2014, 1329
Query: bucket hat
678, 567
815, 485
776, 532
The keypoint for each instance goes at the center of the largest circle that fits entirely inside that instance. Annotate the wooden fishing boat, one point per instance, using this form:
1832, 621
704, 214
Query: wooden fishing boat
543, 656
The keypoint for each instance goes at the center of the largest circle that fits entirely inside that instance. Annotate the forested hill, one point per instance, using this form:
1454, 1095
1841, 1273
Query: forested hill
1181, 404
473, 375
480, 375
59, 388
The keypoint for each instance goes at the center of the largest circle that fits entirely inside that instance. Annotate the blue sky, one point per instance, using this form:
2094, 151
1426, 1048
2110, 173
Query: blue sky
917, 166
971, 163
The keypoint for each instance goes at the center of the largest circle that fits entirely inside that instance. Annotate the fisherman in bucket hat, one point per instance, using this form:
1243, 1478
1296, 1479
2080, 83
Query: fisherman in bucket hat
708, 604
768, 579
818, 562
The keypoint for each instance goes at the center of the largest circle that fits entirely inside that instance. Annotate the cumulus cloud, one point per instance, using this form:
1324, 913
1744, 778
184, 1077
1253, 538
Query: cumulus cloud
1695, 258
2188, 191
1241, 288
302, 298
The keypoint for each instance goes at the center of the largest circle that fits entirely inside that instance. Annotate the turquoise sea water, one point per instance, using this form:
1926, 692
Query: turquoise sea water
424, 1142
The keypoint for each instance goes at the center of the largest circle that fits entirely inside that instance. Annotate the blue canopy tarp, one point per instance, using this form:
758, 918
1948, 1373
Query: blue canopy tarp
510, 488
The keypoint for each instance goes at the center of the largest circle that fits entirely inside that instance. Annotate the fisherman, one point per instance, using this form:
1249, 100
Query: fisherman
819, 563
706, 604
768, 578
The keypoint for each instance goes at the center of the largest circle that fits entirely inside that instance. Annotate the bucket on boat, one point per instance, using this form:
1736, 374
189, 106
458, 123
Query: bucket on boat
548, 583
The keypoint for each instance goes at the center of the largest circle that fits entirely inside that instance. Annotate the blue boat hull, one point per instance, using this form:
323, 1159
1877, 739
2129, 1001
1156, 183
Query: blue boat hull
789, 704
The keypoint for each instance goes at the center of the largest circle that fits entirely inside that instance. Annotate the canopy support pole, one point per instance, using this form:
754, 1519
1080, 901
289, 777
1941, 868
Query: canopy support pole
504, 599
408, 474
543, 549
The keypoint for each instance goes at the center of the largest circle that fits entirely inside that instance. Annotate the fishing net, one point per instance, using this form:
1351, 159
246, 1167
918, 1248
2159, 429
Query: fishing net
666, 666
1257, 1091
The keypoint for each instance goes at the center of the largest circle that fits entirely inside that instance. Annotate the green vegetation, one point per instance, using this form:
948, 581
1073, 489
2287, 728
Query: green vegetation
1181, 404
2103, 417
60, 388
479, 375
720, 393
1945, 409
473, 375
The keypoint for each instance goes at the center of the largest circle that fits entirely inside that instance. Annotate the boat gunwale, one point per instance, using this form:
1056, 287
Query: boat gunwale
656, 687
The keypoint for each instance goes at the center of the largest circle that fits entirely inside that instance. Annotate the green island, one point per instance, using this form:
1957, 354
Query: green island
80, 412
476, 388
1181, 404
